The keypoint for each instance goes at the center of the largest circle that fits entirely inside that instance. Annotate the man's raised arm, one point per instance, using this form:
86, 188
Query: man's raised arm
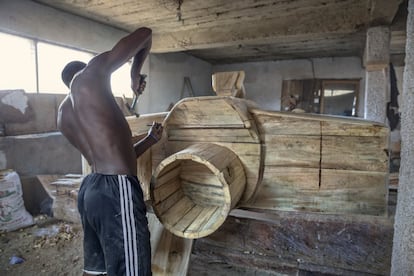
135, 45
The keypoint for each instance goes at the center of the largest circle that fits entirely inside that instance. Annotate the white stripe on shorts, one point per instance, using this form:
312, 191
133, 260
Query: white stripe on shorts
94, 272
128, 226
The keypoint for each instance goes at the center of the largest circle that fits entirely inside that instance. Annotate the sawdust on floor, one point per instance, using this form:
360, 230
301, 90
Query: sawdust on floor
50, 247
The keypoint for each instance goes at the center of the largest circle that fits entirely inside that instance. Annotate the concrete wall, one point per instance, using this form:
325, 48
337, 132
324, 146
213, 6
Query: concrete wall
30, 143
166, 79
263, 80
33, 20
48, 153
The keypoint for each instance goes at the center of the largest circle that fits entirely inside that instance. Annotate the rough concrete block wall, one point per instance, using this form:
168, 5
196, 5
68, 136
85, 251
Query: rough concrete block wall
42, 110
403, 247
48, 153
30, 143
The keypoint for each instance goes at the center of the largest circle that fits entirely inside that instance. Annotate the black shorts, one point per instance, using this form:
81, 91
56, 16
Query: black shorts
116, 236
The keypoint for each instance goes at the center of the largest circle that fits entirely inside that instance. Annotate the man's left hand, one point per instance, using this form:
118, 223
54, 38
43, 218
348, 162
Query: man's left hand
155, 131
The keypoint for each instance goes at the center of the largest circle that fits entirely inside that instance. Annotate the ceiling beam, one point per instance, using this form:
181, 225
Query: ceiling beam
323, 21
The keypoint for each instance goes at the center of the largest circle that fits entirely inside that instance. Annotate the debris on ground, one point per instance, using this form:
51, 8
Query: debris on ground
49, 247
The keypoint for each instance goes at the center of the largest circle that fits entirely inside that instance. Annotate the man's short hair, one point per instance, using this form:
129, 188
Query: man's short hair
70, 70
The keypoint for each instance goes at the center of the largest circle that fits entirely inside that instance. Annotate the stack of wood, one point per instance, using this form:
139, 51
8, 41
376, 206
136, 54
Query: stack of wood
63, 190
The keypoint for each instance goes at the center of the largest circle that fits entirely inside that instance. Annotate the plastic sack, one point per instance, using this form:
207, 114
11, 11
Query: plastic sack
13, 214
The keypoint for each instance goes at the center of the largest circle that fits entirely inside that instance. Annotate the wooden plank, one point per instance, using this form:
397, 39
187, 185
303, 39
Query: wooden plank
193, 231
139, 125
164, 191
357, 191
323, 202
248, 153
293, 177
159, 262
225, 160
171, 175
204, 195
216, 220
357, 127
162, 206
237, 187
225, 81
158, 152
293, 151
198, 111
288, 123
170, 254
328, 191
200, 177
240, 135
337, 179
214, 157
357, 153
176, 212
188, 218
283, 123
293, 241
179, 256
200, 152
167, 167
365, 153
194, 168
281, 185
144, 173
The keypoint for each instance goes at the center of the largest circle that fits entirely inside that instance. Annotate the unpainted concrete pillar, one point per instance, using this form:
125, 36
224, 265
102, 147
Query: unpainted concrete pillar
403, 246
376, 60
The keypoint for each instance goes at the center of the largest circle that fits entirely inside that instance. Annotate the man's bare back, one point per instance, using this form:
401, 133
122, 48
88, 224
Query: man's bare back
90, 117
97, 124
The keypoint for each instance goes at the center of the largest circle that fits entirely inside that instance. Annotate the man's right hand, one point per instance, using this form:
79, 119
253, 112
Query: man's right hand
138, 84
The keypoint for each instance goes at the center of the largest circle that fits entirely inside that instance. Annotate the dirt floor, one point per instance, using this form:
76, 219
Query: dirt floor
50, 247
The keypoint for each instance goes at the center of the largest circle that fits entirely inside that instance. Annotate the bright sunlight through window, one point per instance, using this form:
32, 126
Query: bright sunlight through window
18, 70
18, 55
52, 59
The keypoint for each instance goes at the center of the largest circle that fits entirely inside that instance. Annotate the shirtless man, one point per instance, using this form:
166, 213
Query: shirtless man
110, 200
